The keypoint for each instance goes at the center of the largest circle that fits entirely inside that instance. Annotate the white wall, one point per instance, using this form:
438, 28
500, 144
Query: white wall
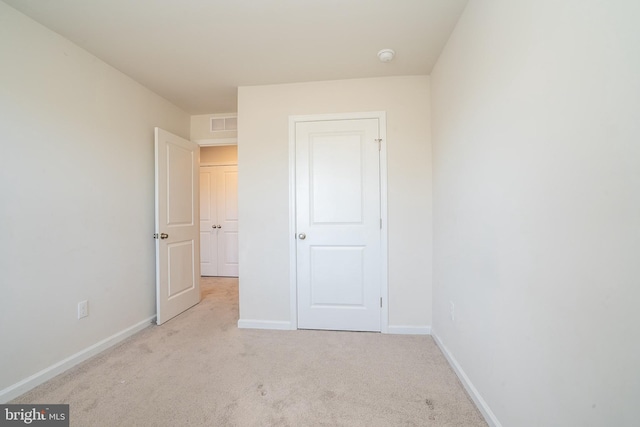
220, 155
76, 191
263, 158
536, 132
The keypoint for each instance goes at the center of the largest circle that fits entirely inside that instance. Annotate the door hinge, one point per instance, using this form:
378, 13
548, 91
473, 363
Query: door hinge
379, 141
380, 302
155, 235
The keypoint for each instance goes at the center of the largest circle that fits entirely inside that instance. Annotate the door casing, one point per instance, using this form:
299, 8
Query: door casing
293, 283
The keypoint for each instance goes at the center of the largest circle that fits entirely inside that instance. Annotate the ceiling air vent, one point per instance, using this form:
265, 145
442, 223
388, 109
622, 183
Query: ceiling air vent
224, 124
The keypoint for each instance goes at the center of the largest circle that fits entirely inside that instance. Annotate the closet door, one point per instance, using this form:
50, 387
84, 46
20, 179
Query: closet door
227, 220
208, 222
219, 220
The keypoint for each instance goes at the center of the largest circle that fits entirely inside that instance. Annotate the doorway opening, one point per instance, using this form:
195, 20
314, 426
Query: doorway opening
219, 211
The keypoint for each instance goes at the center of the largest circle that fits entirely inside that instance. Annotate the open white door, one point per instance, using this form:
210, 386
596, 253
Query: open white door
177, 225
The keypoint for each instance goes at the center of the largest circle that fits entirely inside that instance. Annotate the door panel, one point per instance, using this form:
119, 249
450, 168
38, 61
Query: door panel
337, 270
206, 204
208, 248
180, 184
336, 171
180, 262
338, 214
177, 234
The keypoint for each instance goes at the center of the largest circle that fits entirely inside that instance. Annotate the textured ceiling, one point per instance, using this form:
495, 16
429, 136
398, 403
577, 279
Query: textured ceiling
196, 53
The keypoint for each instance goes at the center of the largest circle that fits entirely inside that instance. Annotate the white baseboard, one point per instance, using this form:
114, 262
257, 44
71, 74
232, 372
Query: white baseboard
409, 330
46, 374
482, 405
283, 325
263, 324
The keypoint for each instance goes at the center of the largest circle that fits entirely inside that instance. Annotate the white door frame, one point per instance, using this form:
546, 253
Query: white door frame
293, 283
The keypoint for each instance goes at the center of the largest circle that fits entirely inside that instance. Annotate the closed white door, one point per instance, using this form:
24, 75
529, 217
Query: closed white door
338, 225
228, 221
208, 222
177, 224
219, 220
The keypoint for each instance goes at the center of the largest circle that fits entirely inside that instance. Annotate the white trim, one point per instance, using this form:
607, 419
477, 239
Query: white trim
482, 405
338, 116
293, 284
221, 115
264, 324
409, 330
384, 275
214, 164
46, 374
212, 142
384, 245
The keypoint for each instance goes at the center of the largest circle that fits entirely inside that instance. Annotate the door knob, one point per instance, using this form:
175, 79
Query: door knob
213, 226
219, 226
164, 235
302, 236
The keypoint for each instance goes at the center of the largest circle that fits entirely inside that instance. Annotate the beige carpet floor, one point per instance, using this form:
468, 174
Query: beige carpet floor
199, 369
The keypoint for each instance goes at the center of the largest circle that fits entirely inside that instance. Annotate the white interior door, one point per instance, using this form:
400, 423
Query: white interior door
219, 220
177, 225
228, 221
338, 225
208, 221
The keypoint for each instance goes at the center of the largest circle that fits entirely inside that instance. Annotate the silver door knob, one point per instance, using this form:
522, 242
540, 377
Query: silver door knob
164, 235
213, 226
302, 236
219, 226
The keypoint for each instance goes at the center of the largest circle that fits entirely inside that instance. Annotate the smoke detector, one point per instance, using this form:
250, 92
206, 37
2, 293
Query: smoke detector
386, 55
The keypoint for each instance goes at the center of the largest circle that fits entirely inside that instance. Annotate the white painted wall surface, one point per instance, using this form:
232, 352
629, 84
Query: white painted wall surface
76, 191
220, 155
263, 158
536, 131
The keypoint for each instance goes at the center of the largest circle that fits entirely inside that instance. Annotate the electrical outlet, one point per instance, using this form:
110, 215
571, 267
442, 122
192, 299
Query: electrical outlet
83, 309
452, 311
